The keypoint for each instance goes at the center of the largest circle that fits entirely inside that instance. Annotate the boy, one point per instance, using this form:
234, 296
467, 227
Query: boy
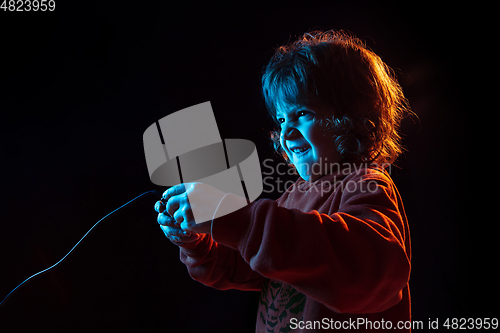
334, 251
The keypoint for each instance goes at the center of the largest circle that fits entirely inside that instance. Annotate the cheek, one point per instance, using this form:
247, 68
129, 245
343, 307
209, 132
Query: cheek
282, 143
316, 138
324, 146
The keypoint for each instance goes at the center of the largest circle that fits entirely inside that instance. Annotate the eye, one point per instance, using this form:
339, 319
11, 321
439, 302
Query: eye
303, 113
280, 120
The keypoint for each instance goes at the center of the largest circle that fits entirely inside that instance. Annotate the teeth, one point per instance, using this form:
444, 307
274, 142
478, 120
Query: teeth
299, 150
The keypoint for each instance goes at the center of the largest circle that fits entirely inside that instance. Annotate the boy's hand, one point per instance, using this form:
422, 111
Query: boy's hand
171, 228
181, 200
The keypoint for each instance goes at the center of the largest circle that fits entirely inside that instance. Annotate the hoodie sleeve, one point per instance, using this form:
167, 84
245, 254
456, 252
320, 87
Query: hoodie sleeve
218, 266
353, 261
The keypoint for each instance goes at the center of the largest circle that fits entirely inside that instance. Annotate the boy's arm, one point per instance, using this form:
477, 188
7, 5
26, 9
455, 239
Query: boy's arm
218, 266
208, 262
352, 261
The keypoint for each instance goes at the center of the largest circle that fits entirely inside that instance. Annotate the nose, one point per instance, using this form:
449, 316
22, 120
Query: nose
289, 131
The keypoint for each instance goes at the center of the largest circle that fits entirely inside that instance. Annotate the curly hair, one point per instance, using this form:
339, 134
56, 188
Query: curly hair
336, 70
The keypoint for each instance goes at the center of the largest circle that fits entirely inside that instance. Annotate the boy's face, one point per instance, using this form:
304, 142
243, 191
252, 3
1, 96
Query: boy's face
302, 137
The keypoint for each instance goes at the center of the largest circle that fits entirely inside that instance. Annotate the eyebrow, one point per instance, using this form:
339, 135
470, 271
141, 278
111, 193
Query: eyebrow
296, 109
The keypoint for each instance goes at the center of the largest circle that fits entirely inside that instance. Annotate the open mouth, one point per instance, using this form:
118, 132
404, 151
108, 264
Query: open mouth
299, 150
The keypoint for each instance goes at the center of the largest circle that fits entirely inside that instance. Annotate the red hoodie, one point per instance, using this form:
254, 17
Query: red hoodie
330, 254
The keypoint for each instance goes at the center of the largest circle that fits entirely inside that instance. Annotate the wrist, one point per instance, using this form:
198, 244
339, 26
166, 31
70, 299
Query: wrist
232, 221
229, 203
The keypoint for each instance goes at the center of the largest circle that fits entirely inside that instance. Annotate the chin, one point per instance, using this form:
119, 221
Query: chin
306, 178
304, 175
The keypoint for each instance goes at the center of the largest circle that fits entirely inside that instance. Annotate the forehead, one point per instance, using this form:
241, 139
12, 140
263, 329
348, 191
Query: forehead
289, 108
320, 110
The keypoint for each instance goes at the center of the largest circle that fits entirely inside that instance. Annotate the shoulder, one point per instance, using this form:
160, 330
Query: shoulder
366, 173
368, 180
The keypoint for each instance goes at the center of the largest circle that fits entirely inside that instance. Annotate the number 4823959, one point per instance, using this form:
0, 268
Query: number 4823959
28, 5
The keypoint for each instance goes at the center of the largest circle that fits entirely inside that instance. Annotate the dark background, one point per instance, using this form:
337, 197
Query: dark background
79, 86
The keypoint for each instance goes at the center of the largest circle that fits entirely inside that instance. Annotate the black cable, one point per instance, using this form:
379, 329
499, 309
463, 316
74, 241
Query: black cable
157, 193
